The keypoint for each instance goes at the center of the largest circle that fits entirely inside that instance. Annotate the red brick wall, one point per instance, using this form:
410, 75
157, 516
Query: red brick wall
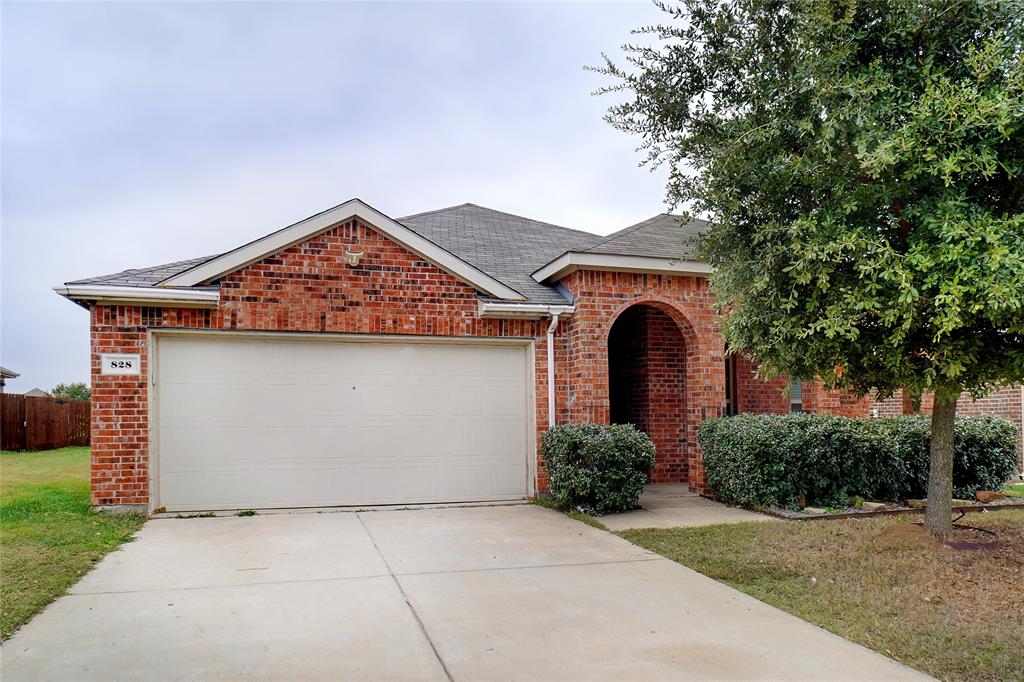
754, 395
818, 400
769, 397
305, 288
600, 298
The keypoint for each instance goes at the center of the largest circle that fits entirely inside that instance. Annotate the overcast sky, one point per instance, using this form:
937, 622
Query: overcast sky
141, 133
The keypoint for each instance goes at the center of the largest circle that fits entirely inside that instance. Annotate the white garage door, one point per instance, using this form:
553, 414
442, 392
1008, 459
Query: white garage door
258, 423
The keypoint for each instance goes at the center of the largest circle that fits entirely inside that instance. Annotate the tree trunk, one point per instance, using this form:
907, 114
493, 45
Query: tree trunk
938, 516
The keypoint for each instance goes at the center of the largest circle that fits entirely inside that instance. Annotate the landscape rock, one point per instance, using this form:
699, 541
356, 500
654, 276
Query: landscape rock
814, 510
917, 504
873, 506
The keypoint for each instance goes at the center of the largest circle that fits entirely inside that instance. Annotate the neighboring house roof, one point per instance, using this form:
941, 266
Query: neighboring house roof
37, 393
8, 374
508, 258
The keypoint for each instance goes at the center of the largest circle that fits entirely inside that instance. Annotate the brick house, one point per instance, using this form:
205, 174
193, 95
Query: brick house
355, 359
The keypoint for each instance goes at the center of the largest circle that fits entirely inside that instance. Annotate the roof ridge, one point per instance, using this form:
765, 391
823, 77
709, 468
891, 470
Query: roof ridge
436, 210
629, 229
494, 210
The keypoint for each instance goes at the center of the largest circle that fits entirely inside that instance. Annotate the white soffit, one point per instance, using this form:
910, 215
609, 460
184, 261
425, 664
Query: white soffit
575, 260
321, 222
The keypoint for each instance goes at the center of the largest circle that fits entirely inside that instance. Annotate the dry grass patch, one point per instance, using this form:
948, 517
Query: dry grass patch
958, 615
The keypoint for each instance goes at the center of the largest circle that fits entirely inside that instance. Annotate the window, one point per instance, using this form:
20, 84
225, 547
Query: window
796, 396
731, 405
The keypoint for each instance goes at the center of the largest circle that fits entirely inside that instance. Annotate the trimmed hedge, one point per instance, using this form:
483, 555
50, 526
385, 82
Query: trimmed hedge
597, 468
765, 460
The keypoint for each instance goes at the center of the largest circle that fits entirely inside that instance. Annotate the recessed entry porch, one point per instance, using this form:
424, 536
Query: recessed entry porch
647, 385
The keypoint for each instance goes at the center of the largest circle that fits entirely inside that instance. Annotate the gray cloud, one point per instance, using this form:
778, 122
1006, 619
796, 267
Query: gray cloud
136, 134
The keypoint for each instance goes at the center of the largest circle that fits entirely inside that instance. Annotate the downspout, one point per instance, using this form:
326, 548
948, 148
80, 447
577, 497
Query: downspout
551, 368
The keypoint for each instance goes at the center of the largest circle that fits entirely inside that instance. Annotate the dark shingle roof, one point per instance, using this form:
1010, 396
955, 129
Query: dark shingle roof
144, 277
663, 236
505, 246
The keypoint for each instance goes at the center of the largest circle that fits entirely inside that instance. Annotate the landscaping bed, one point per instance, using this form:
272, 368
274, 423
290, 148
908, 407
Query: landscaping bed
50, 536
880, 509
881, 582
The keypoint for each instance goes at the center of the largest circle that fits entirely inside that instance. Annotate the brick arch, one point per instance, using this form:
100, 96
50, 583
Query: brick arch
601, 297
649, 343
665, 305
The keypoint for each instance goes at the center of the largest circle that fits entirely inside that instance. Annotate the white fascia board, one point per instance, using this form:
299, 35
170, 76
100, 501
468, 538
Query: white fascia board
321, 222
575, 260
102, 293
523, 311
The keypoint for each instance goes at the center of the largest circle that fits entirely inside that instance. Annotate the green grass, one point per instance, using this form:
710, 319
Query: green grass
49, 536
1015, 490
958, 615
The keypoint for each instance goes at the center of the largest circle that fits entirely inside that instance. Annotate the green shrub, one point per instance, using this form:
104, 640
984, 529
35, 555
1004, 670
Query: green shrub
776, 460
596, 468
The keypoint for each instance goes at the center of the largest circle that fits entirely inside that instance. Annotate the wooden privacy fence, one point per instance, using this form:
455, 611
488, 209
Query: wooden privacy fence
31, 423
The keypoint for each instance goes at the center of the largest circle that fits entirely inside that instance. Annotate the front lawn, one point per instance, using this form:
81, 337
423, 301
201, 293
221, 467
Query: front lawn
958, 615
49, 536
1015, 490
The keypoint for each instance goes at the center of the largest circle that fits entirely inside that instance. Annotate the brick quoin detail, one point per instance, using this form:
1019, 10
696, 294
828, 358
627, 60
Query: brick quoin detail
677, 381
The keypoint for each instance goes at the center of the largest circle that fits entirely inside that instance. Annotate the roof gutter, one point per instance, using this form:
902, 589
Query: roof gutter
522, 311
111, 294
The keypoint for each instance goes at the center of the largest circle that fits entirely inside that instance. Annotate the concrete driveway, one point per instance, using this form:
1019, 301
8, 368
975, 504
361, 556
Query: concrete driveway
481, 593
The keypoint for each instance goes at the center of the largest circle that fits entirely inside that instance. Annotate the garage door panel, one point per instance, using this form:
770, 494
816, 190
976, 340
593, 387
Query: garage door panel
251, 423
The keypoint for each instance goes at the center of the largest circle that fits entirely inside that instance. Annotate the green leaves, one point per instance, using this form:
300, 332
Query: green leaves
775, 460
863, 164
597, 468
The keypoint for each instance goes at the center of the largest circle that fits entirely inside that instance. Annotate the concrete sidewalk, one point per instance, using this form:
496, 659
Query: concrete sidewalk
674, 506
516, 592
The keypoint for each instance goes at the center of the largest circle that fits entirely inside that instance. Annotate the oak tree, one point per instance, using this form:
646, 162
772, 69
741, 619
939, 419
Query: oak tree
862, 164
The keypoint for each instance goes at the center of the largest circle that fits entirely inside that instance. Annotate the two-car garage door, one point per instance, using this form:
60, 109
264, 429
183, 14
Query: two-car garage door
255, 422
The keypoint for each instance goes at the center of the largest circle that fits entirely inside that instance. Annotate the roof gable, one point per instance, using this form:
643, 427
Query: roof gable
506, 257
215, 268
663, 244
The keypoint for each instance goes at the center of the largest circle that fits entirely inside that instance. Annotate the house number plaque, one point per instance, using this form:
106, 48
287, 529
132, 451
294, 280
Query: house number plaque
120, 363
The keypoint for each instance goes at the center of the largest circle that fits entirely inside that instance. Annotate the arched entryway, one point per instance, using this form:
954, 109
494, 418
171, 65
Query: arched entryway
647, 384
